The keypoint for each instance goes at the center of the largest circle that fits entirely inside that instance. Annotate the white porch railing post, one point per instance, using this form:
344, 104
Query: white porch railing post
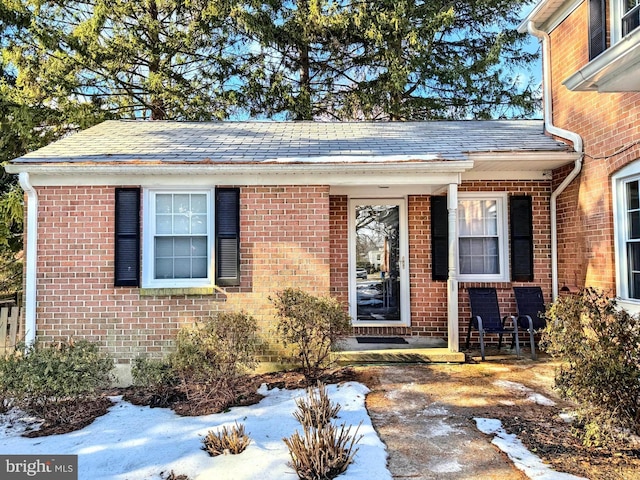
452, 282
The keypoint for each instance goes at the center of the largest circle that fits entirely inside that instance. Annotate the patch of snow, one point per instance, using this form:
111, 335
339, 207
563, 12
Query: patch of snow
450, 466
435, 411
135, 442
533, 397
522, 458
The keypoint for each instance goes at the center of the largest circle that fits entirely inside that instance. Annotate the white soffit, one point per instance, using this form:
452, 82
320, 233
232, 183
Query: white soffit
521, 166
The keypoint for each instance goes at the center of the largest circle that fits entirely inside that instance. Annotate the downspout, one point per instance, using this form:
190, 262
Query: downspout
31, 258
560, 132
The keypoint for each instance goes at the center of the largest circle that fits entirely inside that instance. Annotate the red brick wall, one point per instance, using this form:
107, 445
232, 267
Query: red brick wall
284, 242
607, 123
428, 297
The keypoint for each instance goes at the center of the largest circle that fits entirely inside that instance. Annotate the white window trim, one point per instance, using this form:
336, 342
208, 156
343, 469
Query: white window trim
148, 229
503, 235
618, 195
616, 7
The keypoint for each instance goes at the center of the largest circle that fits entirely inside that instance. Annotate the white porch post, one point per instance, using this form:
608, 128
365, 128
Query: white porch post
452, 282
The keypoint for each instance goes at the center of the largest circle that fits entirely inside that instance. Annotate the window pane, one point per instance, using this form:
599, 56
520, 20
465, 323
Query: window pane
181, 203
199, 246
164, 203
164, 268
479, 256
199, 268
182, 247
198, 204
632, 196
633, 258
181, 225
182, 268
163, 224
164, 247
634, 225
199, 224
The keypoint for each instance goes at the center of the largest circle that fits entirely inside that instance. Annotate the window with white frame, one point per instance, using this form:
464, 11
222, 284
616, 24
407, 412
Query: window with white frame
626, 195
625, 18
177, 241
482, 238
630, 16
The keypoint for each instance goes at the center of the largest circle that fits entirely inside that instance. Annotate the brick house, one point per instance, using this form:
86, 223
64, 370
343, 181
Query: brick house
591, 78
135, 228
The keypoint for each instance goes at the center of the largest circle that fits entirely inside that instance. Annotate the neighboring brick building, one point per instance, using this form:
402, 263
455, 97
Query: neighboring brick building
591, 74
136, 228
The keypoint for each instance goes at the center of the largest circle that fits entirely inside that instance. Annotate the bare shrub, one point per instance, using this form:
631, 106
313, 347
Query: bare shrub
316, 409
232, 441
324, 450
312, 325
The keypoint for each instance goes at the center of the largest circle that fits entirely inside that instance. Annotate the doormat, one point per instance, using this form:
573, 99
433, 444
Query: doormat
381, 340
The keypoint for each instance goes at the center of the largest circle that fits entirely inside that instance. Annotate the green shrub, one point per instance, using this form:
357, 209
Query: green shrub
224, 346
232, 441
599, 345
45, 380
152, 373
312, 325
324, 450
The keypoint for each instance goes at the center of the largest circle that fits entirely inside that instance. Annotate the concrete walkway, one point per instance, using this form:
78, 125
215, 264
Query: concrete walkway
428, 433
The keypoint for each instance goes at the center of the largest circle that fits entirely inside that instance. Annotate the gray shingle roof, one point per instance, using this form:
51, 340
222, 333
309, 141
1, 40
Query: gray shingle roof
121, 141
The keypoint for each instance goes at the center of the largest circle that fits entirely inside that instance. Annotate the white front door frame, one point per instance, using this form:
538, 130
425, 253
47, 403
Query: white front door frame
405, 302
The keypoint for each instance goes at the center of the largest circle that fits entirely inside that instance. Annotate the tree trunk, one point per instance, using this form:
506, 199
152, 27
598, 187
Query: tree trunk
157, 107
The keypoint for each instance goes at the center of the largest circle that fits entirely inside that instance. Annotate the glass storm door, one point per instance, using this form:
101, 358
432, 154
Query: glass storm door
378, 262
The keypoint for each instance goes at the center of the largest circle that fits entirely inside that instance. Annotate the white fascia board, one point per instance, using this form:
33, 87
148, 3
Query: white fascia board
385, 173
614, 70
548, 14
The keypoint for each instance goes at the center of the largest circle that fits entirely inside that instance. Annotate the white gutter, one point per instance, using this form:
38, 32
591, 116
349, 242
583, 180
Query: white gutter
31, 258
552, 129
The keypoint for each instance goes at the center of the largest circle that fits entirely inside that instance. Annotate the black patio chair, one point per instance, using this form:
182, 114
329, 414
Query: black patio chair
531, 308
486, 318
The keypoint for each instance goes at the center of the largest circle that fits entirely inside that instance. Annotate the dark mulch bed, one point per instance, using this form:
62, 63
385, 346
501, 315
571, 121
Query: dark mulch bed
195, 400
73, 416
192, 400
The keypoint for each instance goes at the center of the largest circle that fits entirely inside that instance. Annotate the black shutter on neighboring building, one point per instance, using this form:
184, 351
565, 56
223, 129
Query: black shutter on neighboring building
127, 241
521, 238
439, 238
597, 28
227, 248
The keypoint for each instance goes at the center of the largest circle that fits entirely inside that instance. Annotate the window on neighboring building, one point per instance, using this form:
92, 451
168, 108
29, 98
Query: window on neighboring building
482, 238
177, 240
597, 28
631, 16
626, 195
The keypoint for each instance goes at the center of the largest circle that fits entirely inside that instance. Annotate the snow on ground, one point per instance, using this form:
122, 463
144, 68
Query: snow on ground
134, 442
521, 389
140, 443
522, 458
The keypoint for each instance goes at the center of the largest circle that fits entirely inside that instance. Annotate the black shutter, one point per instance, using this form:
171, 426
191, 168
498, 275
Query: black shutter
127, 241
227, 236
521, 238
597, 28
439, 238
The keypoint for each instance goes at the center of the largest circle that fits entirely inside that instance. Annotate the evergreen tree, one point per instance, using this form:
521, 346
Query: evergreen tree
388, 59
156, 59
